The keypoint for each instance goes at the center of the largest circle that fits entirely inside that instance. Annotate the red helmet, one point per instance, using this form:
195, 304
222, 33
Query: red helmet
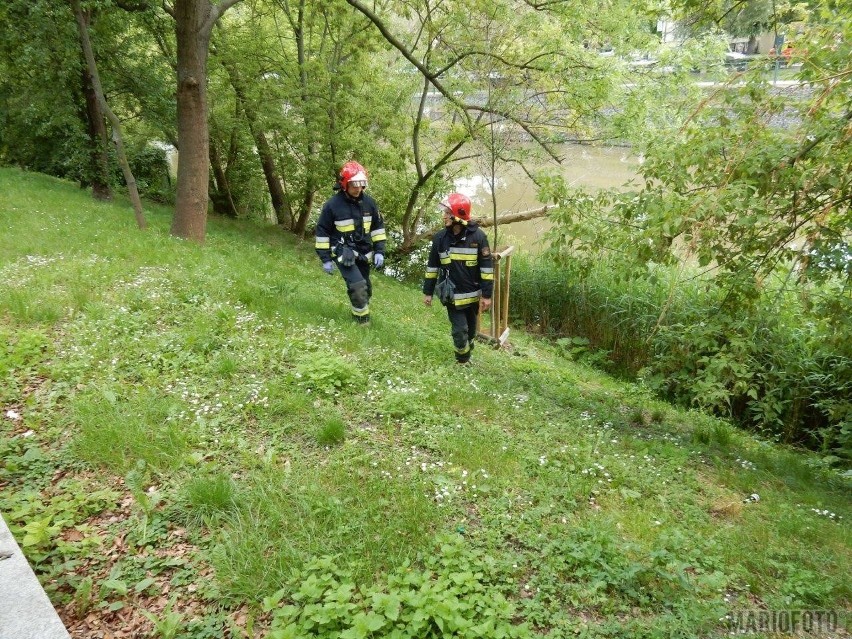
458, 206
353, 173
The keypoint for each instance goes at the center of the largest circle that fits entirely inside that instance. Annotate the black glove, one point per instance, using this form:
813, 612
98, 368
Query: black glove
347, 256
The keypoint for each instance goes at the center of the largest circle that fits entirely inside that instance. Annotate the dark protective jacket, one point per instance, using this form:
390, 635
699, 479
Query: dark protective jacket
347, 221
468, 258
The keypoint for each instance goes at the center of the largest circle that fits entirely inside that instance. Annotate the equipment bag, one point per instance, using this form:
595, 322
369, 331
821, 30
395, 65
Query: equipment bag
345, 255
445, 288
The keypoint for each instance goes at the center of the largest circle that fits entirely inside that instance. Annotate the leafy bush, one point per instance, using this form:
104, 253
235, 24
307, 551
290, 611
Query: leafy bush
448, 598
780, 364
324, 372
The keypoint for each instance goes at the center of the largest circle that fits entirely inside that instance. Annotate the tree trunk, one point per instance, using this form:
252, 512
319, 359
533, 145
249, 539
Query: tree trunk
283, 212
116, 125
194, 20
301, 223
305, 210
190, 220
99, 157
751, 47
222, 198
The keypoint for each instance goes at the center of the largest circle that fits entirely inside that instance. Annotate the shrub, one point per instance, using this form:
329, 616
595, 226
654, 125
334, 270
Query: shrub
447, 598
780, 364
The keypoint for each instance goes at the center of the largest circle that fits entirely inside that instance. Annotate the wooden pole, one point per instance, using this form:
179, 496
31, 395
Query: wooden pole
504, 311
498, 332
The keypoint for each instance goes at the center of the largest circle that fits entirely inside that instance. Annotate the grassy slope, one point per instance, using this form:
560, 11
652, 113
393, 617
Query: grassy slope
184, 428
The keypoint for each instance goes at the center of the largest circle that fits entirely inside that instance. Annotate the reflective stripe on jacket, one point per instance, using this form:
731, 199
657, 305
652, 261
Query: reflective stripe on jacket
356, 223
468, 258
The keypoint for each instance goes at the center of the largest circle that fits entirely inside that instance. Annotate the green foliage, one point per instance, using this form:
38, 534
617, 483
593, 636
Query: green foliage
83, 596
714, 432
805, 588
152, 173
449, 598
331, 431
725, 281
325, 373
40, 89
120, 434
777, 364
209, 497
39, 523
20, 359
289, 514
593, 569
168, 624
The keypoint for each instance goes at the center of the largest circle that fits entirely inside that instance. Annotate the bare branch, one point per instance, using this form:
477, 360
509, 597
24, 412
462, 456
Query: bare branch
524, 125
502, 218
432, 77
543, 5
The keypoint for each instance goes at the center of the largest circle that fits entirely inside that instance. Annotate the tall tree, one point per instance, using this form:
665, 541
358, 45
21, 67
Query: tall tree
194, 21
101, 189
117, 136
490, 76
280, 205
748, 183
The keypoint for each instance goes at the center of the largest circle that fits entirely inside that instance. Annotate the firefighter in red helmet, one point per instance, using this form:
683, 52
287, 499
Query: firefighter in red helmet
350, 236
460, 268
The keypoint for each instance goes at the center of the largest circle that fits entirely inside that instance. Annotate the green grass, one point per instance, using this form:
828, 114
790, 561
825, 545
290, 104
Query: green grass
206, 427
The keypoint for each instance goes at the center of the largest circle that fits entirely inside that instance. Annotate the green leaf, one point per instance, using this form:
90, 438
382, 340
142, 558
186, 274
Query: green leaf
144, 584
388, 605
115, 585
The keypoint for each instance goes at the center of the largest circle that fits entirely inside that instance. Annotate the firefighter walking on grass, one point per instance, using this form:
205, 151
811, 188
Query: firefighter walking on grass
350, 236
460, 272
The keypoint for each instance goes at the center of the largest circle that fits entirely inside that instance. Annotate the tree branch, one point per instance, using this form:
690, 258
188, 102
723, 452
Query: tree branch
543, 5
216, 12
503, 218
815, 142
393, 41
525, 126
514, 65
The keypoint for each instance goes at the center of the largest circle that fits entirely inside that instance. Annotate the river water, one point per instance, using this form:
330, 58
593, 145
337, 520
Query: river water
584, 166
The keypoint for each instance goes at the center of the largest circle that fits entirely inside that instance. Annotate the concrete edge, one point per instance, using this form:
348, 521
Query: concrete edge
25, 610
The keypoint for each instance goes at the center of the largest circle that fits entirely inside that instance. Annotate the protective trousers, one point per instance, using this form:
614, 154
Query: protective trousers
463, 322
359, 288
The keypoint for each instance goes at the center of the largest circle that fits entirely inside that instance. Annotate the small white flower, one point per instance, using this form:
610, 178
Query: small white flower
13, 415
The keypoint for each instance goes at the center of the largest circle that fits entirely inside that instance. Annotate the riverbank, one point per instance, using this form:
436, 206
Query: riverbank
208, 445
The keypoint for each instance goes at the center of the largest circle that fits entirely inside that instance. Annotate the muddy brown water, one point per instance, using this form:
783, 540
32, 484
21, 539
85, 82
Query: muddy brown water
584, 166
